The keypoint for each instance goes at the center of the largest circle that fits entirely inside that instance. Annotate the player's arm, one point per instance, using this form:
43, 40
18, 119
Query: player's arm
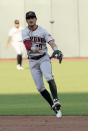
57, 53
53, 45
8, 41
27, 42
29, 47
49, 39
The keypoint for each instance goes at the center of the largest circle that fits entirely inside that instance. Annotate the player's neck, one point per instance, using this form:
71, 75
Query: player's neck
33, 28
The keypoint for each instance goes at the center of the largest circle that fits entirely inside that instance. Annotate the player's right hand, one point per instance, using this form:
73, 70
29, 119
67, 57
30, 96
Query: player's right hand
38, 49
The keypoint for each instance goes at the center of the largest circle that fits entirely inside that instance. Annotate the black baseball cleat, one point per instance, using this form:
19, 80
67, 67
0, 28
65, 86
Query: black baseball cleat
56, 104
56, 107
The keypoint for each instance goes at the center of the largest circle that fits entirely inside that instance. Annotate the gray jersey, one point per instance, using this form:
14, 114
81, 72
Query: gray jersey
38, 38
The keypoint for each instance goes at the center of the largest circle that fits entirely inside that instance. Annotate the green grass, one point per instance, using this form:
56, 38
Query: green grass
18, 94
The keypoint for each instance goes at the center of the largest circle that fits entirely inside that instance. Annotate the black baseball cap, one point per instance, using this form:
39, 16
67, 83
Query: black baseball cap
30, 14
16, 22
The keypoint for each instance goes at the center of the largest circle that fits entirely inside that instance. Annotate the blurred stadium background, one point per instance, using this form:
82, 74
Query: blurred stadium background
70, 29
18, 94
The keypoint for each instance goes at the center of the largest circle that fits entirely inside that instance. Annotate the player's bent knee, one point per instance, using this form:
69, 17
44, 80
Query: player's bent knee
41, 89
49, 77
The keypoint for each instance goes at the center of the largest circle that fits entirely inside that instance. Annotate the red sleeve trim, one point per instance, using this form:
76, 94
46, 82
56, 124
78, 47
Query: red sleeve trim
27, 44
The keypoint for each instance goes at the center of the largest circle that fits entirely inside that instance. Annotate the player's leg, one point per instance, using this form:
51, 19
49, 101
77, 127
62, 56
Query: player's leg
38, 79
19, 59
19, 62
21, 48
17, 47
20, 52
47, 72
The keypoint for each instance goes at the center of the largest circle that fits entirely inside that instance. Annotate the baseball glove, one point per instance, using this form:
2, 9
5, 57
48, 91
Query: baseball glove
58, 55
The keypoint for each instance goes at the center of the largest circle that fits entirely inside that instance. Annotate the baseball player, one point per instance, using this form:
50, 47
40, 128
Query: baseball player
16, 38
35, 39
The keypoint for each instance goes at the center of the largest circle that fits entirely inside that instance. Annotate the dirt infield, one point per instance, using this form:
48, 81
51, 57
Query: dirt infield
43, 123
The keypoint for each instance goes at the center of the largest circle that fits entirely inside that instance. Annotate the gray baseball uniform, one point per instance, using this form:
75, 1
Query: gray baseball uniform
41, 66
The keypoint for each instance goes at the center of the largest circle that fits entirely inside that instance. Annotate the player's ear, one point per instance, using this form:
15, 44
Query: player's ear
36, 19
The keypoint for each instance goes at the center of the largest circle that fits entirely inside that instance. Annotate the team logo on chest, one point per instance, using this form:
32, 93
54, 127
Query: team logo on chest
37, 39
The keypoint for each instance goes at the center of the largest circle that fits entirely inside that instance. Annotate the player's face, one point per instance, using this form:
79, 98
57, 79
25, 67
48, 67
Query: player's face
31, 21
17, 25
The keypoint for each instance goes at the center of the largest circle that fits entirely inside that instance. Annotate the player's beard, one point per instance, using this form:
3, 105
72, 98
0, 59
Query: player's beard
32, 26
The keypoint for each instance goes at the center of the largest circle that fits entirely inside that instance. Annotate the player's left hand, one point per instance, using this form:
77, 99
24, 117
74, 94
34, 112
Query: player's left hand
58, 55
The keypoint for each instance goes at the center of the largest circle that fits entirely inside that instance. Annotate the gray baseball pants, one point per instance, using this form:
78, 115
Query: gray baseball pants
40, 68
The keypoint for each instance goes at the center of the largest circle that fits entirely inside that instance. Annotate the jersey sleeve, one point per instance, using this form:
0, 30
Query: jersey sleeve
25, 35
47, 36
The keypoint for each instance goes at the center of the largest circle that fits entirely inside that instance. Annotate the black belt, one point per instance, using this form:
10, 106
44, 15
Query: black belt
38, 57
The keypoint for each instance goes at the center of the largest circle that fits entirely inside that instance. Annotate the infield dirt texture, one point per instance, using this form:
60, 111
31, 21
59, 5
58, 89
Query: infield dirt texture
23, 109
43, 123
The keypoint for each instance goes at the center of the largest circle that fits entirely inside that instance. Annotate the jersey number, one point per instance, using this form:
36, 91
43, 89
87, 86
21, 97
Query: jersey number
40, 45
